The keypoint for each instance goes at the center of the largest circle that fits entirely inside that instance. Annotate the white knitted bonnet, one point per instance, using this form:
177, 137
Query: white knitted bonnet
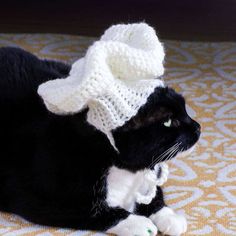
114, 78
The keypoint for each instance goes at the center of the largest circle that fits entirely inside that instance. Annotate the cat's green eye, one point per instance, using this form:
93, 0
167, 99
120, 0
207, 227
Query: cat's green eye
168, 123
171, 123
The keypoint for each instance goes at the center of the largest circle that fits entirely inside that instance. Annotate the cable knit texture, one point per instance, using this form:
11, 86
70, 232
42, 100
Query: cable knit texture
114, 78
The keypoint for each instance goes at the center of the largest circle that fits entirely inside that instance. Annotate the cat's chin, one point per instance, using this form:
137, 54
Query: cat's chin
186, 152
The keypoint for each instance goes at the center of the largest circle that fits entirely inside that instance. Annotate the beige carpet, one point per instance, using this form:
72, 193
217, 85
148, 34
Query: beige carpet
201, 186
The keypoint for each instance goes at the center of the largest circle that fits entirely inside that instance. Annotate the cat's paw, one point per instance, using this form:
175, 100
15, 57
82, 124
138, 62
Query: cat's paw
168, 222
134, 225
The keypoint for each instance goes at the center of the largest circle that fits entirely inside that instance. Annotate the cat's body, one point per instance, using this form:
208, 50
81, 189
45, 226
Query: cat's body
54, 170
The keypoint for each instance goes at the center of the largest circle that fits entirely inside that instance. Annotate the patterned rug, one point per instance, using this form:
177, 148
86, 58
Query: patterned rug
202, 186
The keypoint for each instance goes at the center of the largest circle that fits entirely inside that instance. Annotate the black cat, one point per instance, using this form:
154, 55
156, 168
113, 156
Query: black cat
61, 171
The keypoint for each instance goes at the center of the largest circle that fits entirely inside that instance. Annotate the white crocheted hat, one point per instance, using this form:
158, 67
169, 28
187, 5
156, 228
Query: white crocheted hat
114, 78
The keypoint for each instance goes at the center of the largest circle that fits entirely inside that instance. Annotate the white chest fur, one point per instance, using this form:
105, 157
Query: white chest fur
125, 188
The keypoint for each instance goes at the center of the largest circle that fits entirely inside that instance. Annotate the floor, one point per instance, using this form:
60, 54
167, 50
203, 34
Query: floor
201, 186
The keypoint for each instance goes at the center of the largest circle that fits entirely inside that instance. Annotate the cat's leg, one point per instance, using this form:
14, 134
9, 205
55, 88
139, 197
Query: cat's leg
166, 220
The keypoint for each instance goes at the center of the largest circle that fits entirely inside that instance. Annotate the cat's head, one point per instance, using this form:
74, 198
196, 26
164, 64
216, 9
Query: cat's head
161, 130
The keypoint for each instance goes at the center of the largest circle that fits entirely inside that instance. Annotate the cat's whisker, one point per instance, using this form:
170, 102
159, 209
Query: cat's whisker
171, 151
161, 156
164, 154
174, 153
167, 154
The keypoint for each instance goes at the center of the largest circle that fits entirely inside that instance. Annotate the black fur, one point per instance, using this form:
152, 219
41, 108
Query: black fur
53, 168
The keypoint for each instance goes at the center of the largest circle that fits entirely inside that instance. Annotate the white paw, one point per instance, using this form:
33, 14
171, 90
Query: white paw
168, 222
134, 225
